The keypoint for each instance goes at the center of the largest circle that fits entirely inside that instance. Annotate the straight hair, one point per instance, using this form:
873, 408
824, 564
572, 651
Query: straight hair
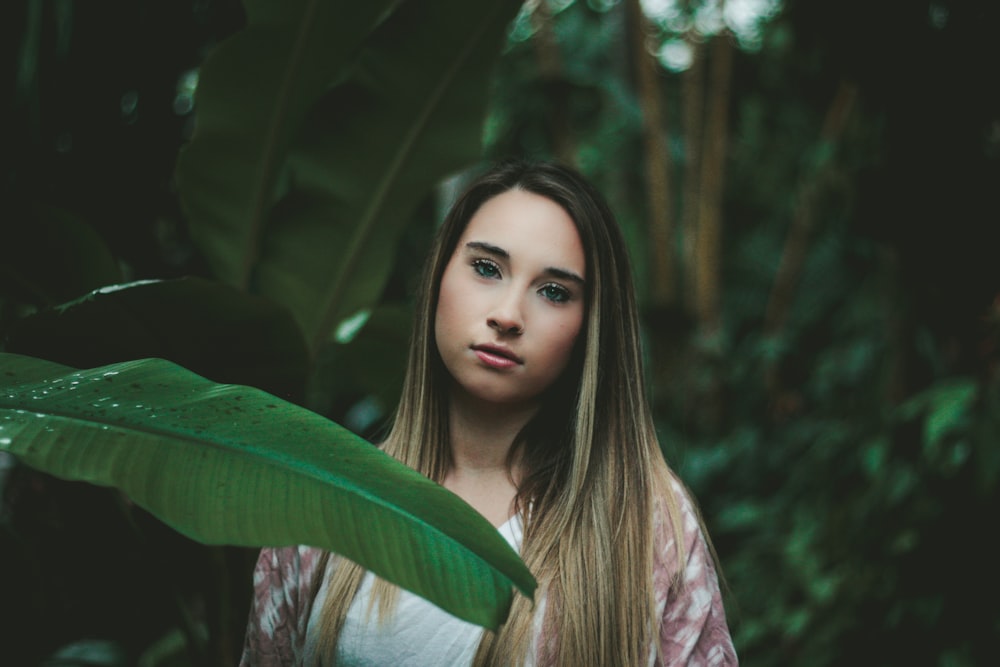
597, 498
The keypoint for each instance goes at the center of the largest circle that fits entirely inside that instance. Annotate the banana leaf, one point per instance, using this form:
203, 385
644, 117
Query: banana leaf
254, 90
319, 128
227, 464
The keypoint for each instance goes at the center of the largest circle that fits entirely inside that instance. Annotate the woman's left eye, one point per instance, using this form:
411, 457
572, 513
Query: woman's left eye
554, 293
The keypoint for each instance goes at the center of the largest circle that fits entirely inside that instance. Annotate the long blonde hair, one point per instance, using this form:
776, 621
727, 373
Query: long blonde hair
595, 481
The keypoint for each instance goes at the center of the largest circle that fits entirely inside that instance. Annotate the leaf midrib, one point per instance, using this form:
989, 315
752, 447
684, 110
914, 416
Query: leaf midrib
236, 447
260, 454
268, 163
378, 199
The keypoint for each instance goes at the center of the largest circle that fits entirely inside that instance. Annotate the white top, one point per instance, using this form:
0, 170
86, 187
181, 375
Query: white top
417, 634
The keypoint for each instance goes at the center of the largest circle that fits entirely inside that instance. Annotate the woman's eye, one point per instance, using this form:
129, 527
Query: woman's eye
486, 268
555, 293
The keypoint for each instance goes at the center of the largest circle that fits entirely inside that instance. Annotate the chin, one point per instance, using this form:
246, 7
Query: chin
499, 398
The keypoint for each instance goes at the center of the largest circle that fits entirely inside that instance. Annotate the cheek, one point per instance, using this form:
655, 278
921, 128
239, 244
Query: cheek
455, 307
564, 340
442, 325
446, 304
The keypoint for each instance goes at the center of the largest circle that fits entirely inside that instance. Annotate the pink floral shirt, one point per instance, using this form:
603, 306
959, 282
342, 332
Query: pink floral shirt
693, 629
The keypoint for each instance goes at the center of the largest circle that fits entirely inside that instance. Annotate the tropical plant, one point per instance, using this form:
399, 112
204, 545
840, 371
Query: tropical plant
320, 129
226, 464
823, 359
838, 429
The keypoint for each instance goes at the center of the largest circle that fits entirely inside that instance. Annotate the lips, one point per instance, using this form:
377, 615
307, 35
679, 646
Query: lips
497, 356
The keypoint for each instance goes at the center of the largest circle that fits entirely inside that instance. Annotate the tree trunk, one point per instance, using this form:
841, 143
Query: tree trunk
656, 157
550, 69
693, 89
708, 242
807, 201
796, 248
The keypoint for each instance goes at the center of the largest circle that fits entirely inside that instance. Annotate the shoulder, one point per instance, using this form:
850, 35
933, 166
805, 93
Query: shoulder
283, 579
693, 627
287, 560
284, 575
676, 517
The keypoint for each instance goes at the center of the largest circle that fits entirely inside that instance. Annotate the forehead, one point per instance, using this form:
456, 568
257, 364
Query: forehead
527, 224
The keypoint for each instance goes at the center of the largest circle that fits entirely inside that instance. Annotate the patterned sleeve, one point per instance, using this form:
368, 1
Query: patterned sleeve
279, 613
693, 631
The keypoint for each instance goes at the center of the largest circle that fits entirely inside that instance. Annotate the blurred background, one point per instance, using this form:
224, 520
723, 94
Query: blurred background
810, 190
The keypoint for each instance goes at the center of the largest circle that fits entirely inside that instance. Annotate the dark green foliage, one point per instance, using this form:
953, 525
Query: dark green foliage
321, 128
846, 461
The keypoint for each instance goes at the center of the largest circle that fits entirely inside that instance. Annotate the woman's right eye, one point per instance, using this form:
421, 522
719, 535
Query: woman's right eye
486, 268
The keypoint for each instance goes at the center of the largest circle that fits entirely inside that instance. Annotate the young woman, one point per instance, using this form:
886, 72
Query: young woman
523, 395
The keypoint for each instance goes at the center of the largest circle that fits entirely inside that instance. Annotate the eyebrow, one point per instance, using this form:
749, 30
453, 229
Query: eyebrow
556, 272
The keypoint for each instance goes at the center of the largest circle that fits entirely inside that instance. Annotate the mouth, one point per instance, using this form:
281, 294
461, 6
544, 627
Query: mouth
497, 356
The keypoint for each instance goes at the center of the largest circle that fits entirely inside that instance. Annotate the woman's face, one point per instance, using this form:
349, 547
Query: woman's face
511, 301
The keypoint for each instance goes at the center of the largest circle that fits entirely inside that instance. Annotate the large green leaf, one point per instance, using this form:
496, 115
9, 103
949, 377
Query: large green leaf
402, 111
227, 464
254, 91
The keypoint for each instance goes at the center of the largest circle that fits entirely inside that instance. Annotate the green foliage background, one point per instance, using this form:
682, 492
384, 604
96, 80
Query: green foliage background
845, 454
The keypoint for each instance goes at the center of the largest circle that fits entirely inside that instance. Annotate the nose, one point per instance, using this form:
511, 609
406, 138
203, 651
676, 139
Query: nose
506, 318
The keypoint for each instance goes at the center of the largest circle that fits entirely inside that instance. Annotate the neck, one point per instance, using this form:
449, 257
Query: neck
481, 436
